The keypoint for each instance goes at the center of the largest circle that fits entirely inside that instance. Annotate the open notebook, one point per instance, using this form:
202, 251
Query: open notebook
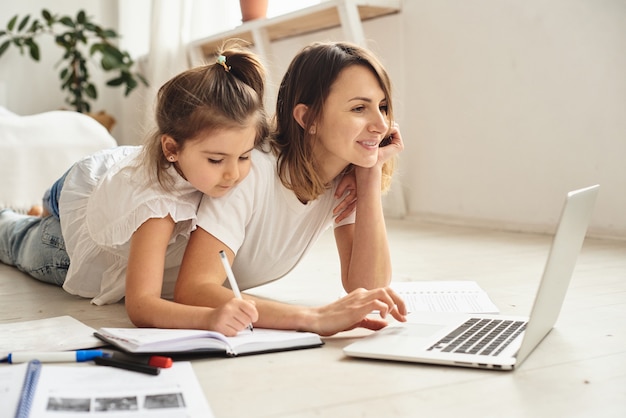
188, 341
490, 341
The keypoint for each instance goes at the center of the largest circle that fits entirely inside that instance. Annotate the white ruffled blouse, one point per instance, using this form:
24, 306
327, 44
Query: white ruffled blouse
104, 199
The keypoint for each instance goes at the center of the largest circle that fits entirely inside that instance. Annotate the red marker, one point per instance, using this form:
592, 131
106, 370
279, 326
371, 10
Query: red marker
154, 361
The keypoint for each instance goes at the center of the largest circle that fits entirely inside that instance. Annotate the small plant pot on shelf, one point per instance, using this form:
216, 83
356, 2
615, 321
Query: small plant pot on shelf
253, 9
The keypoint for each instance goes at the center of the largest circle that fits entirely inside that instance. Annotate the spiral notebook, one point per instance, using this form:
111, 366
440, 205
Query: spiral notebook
37, 390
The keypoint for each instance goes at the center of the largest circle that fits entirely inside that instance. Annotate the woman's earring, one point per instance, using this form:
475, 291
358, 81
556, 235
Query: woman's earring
171, 158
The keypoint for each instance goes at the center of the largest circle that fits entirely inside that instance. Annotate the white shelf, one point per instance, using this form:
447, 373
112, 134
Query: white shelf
348, 14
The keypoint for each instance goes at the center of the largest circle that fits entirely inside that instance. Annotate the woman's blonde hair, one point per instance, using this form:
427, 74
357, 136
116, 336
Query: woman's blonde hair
308, 81
222, 95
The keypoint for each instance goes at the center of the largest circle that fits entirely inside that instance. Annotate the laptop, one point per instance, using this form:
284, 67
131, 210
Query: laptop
494, 342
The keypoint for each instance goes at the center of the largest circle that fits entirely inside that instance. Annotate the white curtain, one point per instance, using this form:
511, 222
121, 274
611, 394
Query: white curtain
169, 33
159, 41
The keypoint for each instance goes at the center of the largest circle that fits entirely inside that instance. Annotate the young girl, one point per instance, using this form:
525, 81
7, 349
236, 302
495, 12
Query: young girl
120, 219
333, 116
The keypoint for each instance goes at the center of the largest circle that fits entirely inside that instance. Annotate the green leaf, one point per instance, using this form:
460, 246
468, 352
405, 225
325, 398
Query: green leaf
130, 86
143, 79
91, 92
109, 61
4, 46
67, 21
109, 33
34, 26
46, 15
23, 23
114, 57
11, 24
3, 32
81, 17
97, 47
33, 49
115, 82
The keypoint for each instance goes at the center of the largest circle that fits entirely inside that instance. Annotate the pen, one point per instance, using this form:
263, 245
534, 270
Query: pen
127, 365
231, 279
54, 357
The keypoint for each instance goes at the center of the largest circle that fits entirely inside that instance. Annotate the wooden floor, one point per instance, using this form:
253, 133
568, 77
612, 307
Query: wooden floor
578, 371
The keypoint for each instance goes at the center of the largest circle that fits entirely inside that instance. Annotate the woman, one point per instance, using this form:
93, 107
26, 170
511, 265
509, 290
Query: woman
333, 113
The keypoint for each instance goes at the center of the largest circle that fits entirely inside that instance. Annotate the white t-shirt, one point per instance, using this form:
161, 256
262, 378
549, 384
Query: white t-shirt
103, 201
265, 224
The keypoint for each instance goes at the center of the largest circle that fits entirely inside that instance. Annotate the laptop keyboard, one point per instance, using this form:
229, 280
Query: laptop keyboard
480, 336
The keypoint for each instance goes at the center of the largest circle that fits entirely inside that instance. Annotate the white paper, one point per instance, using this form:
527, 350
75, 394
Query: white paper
60, 333
82, 390
445, 296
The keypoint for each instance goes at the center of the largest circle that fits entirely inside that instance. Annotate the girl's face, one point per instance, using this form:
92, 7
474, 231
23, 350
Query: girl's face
216, 161
353, 123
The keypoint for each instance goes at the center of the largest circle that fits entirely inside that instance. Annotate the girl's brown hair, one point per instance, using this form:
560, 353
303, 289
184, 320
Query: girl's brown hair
204, 99
308, 80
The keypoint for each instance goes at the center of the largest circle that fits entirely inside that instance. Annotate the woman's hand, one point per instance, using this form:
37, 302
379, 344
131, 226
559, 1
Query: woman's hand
352, 310
232, 317
347, 189
392, 144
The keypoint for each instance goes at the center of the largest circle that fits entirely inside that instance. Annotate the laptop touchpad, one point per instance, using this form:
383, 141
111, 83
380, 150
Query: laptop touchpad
413, 330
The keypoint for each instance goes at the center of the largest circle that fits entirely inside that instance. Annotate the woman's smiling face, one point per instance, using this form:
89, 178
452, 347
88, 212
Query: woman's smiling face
353, 123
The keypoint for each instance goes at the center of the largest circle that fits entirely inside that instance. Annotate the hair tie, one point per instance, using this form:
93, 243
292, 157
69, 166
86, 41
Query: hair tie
221, 60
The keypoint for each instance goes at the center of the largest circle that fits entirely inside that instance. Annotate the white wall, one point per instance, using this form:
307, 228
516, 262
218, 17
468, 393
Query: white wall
505, 105
513, 103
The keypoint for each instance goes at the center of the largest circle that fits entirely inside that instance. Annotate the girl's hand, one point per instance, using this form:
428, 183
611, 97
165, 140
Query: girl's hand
233, 316
346, 188
392, 144
351, 311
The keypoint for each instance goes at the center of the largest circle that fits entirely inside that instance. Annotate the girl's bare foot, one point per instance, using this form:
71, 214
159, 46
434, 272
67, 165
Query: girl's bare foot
36, 210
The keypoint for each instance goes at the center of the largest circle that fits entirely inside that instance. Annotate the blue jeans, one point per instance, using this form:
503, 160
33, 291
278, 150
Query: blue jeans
35, 245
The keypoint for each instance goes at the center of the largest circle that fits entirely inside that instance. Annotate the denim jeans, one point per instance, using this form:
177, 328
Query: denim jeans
52, 195
35, 245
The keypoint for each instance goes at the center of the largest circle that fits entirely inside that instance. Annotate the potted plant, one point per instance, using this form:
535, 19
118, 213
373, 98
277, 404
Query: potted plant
80, 39
253, 9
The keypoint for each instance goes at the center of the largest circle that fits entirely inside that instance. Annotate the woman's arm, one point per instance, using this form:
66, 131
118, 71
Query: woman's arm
363, 246
144, 283
201, 279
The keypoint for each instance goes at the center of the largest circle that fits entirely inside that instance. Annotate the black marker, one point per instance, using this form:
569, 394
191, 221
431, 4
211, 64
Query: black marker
127, 365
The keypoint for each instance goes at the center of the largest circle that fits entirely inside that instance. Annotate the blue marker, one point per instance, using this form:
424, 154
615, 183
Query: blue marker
55, 357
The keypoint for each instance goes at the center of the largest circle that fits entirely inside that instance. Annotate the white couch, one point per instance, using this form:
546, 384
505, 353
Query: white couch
36, 150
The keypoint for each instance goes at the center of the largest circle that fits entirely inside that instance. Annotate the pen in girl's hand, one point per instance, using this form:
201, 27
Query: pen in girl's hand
231, 279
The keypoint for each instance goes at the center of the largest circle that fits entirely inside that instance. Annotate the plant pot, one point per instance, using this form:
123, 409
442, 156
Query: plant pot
253, 9
105, 119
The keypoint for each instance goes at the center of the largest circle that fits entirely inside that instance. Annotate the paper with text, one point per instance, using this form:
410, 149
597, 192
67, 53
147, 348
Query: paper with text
83, 390
445, 296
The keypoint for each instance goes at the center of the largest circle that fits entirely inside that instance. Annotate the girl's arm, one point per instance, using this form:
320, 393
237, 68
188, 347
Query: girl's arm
144, 282
363, 246
201, 278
